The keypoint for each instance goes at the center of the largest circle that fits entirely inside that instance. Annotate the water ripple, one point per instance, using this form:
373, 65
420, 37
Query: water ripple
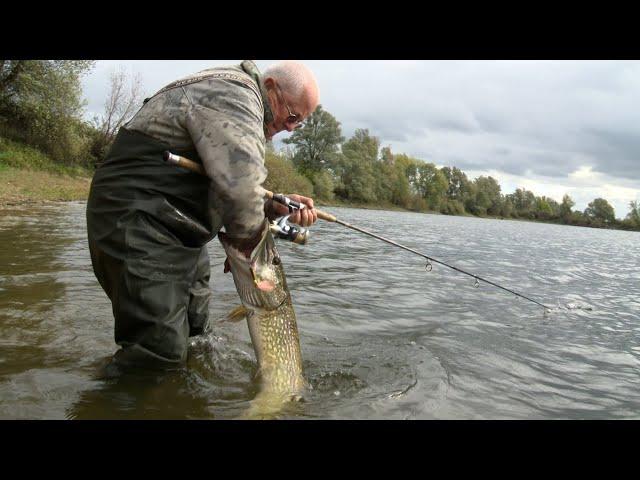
381, 337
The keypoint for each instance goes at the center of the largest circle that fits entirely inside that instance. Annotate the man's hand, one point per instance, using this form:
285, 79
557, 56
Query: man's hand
305, 217
244, 245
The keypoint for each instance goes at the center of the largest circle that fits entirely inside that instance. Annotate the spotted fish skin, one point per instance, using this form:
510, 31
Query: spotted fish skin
261, 284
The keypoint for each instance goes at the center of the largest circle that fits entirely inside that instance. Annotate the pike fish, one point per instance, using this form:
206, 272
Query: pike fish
266, 304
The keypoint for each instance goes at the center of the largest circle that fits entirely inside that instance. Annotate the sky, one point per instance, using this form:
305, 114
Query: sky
553, 127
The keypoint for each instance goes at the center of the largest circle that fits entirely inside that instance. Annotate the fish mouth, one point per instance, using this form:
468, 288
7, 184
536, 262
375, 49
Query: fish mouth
258, 281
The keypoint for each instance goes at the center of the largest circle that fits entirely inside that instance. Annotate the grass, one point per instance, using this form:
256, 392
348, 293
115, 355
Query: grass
29, 176
21, 156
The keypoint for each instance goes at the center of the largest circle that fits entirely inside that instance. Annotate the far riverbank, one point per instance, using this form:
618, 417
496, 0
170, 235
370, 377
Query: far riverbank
27, 177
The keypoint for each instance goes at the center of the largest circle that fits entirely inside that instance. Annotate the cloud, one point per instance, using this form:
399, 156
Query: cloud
584, 174
617, 152
529, 121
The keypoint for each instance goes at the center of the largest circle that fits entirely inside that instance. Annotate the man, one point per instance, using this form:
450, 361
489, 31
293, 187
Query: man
149, 222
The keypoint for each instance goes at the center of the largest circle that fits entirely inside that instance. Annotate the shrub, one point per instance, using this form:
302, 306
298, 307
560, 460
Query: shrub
323, 186
283, 177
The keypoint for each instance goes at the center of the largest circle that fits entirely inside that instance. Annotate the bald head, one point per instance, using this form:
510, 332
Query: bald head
296, 80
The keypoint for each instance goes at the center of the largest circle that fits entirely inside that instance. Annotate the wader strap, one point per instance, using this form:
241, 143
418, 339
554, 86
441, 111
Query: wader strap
226, 75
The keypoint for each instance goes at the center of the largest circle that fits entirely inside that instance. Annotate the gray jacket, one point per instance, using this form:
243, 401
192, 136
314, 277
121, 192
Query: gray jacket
221, 112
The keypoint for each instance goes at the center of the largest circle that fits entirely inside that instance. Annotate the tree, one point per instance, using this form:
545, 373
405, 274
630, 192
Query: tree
634, 215
554, 206
487, 196
41, 104
600, 211
283, 176
409, 168
357, 166
400, 190
384, 173
431, 184
386, 156
125, 97
565, 207
9, 71
524, 201
458, 183
323, 185
543, 208
363, 146
405, 169
316, 143
507, 207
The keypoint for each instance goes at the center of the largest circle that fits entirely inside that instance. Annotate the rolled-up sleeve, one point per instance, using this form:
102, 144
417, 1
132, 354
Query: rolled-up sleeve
226, 127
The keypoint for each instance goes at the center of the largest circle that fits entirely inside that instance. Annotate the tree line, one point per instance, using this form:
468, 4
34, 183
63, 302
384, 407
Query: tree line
41, 105
358, 170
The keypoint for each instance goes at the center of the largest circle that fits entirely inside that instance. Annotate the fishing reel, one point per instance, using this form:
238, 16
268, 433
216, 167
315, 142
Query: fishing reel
281, 228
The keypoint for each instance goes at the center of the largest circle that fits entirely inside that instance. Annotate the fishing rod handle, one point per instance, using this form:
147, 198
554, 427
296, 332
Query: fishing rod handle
183, 162
326, 216
197, 168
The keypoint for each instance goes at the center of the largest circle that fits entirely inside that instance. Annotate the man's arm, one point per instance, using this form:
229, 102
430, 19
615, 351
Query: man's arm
226, 127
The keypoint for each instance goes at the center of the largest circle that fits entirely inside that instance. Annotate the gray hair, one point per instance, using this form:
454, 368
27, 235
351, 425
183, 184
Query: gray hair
291, 76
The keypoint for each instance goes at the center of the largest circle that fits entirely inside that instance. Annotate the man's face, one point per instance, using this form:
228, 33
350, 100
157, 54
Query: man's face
287, 114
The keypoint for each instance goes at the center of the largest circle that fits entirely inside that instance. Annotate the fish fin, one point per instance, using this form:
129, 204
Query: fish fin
271, 406
237, 314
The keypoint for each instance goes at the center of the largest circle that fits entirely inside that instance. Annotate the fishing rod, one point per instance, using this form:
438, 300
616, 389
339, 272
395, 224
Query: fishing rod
293, 205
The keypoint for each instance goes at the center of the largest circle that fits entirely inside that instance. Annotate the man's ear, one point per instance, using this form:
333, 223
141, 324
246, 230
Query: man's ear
269, 82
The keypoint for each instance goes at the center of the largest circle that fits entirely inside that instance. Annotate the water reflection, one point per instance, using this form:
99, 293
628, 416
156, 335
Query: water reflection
140, 394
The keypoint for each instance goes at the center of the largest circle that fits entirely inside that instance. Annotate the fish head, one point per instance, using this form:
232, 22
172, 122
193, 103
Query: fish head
258, 278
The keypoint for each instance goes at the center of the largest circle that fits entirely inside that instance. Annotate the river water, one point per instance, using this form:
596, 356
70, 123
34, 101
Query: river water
381, 337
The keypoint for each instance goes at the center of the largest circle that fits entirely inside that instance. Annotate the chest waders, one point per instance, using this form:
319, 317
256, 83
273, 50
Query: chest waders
148, 225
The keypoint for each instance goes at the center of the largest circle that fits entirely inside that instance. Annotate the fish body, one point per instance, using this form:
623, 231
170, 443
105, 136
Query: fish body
266, 303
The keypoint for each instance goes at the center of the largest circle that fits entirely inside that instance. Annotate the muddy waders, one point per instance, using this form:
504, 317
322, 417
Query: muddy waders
148, 225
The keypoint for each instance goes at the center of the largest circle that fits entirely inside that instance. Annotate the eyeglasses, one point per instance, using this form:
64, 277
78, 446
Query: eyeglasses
292, 118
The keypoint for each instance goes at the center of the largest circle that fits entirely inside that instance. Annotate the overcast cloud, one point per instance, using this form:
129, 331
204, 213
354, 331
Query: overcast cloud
552, 127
